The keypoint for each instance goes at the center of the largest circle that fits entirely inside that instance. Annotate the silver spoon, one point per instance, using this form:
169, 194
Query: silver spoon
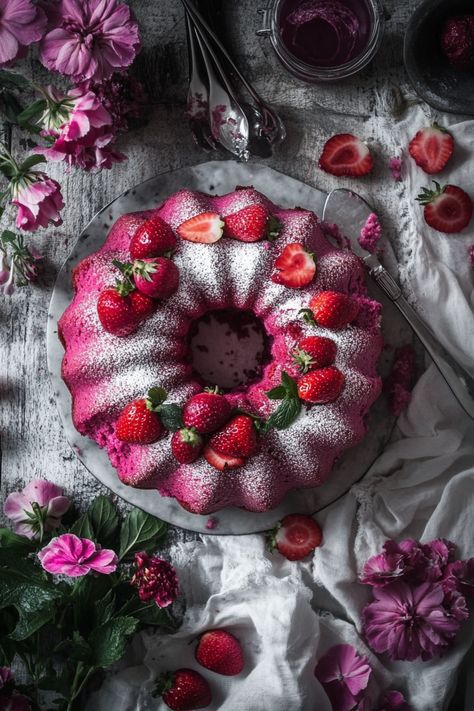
198, 95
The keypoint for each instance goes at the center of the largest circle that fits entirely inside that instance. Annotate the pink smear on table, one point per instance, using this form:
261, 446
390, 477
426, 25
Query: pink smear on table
399, 384
212, 522
370, 233
395, 165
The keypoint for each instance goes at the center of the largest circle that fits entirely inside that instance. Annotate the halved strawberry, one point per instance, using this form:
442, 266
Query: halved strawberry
447, 209
431, 148
345, 154
294, 267
251, 224
205, 228
296, 536
222, 461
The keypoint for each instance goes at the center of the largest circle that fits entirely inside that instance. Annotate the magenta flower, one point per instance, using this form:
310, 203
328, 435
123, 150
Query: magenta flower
392, 701
21, 23
38, 507
155, 579
94, 39
344, 674
386, 567
38, 199
15, 702
73, 556
438, 554
409, 622
5, 676
124, 97
460, 576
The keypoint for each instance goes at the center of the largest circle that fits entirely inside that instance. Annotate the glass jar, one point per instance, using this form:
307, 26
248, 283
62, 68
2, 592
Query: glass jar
272, 28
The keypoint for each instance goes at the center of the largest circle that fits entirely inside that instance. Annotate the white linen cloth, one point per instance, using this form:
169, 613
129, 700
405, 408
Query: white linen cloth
287, 615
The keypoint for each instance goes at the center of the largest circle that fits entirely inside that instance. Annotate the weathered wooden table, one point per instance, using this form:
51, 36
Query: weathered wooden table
33, 443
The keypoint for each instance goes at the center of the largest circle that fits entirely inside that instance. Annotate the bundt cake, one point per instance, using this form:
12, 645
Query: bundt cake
128, 367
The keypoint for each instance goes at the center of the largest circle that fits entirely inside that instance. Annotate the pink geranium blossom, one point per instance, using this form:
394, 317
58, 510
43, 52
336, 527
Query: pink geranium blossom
73, 556
38, 199
392, 701
21, 23
408, 622
344, 674
155, 579
39, 506
94, 38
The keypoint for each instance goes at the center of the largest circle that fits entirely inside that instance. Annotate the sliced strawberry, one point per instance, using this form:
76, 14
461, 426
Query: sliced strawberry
152, 239
205, 228
447, 209
431, 148
321, 386
251, 224
294, 267
296, 536
222, 461
345, 154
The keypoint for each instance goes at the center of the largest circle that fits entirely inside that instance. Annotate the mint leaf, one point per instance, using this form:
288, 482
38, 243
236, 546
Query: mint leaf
171, 417
104, 520
140, 531
284, 415
289, 384
277, 393
82, 527
156, 396
108, 641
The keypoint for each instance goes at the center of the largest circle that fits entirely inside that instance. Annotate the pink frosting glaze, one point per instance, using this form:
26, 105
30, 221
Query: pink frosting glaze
104, 372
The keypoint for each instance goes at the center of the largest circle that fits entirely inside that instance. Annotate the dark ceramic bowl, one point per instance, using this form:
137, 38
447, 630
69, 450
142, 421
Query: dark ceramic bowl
442, 86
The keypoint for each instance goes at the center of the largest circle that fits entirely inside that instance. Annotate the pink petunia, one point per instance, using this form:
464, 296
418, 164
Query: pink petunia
21, 23
73, 556
94, 39
392, 701
50, 506
408, 622
344, 674
38, 199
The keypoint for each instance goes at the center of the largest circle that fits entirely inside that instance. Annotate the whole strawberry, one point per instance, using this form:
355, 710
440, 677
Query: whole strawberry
220, 651
314, 352
153, 238
157, 277
120, 313
238, 438
331, 309
206, 412
321, 386
447, 209
251, 224
296, 536
144, 421
184, 690
186, 445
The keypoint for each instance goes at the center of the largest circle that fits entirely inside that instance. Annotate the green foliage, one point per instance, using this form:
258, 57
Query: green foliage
140, 531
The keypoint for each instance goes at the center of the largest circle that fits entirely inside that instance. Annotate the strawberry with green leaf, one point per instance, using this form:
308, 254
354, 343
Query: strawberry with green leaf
144, 421
290, 406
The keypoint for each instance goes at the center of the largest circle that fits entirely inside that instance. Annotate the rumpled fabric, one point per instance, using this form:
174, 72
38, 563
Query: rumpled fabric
286, 615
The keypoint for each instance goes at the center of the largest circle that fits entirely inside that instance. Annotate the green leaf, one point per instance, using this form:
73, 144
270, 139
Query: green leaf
104, 608
34, 599
31, 112
86, 593
8, 539
31, 161
171, 417
108, 641
140, 531
104, 519
277, 393
148, 613
284, 415
11, 80
289, 384
82, 527
156, 396
76, 648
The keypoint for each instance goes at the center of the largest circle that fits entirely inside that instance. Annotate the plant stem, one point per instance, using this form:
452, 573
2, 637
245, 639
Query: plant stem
77, 686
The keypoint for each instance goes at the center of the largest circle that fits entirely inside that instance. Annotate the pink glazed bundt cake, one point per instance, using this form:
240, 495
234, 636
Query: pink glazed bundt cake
128, 367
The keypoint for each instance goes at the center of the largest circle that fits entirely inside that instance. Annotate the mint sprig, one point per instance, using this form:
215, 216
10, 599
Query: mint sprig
290, 405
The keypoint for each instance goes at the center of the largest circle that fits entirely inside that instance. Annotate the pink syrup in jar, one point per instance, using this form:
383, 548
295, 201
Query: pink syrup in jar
325, 33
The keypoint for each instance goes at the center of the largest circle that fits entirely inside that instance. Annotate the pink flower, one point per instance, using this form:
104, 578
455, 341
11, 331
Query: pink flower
80, 129
392, 701
38, 199
94, 39
21, 23
124, 97
344, 674
15, 702
438, 554
409, 622
5, 676
460, 576
39, 506
73, 556
155, 579
386, 567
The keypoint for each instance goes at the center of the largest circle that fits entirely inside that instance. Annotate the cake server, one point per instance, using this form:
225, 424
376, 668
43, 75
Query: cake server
458, 379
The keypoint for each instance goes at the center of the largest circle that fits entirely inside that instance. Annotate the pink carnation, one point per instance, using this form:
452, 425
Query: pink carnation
155, 579
73, 556
408, 622
460, 576
344, 674
392, 701
386, 567
20, 508
94, 39
38, 199
21, 23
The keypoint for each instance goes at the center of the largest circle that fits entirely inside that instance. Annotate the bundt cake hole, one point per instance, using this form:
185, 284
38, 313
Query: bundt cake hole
228, 348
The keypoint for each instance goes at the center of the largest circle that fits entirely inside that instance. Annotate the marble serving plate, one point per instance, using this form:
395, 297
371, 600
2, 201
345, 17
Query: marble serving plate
216, 177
